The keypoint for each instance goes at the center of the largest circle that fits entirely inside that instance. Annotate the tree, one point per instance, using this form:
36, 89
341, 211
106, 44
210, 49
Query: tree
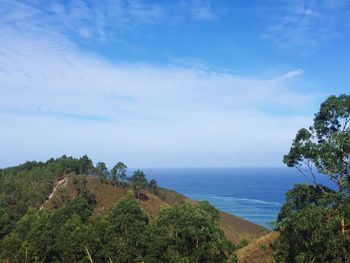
119, 173
153, 187
325, 148
102, 171
187, 233
70, 239
125, 231
139, 181
309, 227
325, 145
41, 236
86, 165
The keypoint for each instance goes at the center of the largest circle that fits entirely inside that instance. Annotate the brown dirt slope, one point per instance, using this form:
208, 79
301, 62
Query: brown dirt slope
106, 194
237, 229
258, 250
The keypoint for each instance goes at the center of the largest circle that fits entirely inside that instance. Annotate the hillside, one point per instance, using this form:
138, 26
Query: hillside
55, 211
235, 228
258, 250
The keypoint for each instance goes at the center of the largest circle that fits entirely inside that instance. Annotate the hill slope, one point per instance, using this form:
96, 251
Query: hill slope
106, 195
68, 190
258, 250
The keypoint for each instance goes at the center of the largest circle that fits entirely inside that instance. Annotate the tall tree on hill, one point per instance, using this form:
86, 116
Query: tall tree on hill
119, 173
86, 165
153, 187
325, 148
139, 181
102, 171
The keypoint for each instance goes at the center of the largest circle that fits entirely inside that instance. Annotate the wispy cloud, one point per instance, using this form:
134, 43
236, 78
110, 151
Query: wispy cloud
44, 75
57, 98
87, 19
304, 26
52, 94
99, 20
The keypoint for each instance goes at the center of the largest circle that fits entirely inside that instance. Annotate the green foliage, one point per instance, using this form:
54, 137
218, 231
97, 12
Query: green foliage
102, 171
139, 178
183, 233
326, 144
80, 183
123, 234
314, 221
28, 185
139, 182
310, 227
186, 233
119, 173
303, 196
40, 236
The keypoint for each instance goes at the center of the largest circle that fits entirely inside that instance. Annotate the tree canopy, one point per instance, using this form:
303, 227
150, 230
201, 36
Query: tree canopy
325, 146
118, 173
314, 221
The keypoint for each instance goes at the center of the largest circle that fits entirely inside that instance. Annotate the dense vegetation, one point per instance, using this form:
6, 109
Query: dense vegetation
75, 233
314, 222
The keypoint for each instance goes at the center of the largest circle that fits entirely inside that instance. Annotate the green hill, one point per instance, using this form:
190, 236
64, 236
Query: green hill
68, 193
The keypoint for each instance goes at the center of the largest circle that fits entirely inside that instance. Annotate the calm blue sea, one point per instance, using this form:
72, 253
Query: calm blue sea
255, 194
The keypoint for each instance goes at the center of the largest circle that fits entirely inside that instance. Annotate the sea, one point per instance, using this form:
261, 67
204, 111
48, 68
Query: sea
255, 194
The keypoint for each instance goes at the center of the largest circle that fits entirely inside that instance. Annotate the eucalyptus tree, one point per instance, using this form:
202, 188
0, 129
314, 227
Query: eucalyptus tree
325, 145
118, 173
325, 148
102, 171
139, 182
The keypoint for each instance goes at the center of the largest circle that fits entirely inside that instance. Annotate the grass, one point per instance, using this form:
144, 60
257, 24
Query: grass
258, 250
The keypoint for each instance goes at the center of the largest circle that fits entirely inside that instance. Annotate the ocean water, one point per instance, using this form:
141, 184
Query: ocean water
255, 194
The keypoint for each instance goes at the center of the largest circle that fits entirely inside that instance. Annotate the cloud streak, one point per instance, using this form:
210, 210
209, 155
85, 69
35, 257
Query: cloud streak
58, 98
99, 20
44, 74
304, 26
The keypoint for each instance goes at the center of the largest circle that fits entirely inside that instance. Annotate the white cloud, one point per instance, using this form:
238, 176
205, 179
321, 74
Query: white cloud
45, 67
56, 99
71, 102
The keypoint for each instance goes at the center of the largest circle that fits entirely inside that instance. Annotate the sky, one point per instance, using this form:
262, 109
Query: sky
183, 83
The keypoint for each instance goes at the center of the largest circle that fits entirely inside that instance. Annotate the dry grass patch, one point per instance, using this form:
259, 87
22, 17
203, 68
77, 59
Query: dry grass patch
258, 250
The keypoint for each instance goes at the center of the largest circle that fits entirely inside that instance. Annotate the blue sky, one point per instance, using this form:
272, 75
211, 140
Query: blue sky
166, 83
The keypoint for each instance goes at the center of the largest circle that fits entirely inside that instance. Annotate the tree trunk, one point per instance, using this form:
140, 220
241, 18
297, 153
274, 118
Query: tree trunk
342, 219
342, 223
